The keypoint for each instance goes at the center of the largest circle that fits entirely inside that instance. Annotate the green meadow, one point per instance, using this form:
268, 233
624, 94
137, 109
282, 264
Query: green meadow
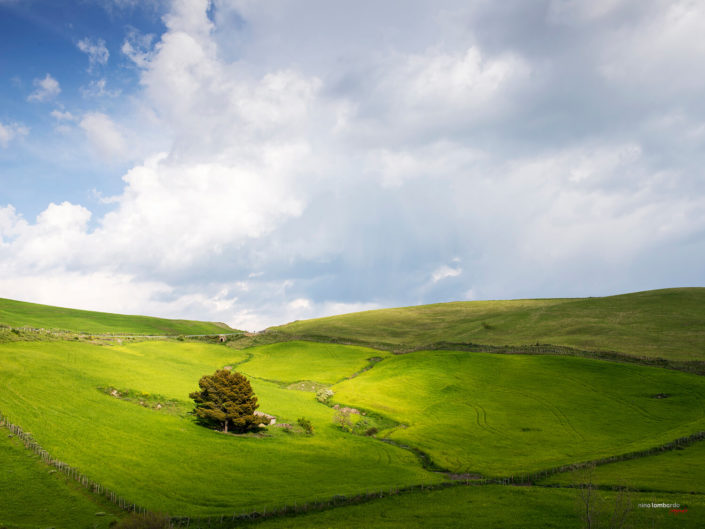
496, 507
22, 314
120, 414
35, 496
164, 461
306, 361
680, 470
500, 415
658, 323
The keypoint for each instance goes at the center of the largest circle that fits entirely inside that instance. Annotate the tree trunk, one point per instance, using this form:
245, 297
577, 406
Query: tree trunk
225, 426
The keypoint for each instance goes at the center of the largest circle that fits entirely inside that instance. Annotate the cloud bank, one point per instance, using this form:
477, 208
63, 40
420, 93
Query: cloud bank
325, 160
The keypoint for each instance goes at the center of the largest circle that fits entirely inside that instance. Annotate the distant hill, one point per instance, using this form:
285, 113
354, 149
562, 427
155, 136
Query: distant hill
21, 314
667, 323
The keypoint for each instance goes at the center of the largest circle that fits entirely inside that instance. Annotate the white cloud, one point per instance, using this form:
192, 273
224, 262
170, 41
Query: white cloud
444, 272
62, 115
138, 48
46, 89
97, 53
104, 135
10, 131
301, 180
97, 88
664, 45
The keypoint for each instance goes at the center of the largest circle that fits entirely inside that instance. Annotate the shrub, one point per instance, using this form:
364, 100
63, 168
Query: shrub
324, 395
306, 425
342, 419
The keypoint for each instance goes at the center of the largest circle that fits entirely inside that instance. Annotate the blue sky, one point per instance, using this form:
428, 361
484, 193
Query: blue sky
259, 162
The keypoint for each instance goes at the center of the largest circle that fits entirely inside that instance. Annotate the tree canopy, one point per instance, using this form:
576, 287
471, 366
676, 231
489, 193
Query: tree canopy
226, 401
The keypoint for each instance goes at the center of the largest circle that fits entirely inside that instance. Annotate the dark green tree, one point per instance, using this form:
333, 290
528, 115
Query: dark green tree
226, 401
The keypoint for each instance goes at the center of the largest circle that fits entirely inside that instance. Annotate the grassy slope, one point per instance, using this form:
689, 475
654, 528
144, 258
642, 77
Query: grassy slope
166, 462
659, 323
22, 314
295, 361
494, 507
504, 414
677, 470
32, 497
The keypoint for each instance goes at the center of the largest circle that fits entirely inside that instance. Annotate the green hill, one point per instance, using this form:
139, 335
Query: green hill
22, 314
667, 323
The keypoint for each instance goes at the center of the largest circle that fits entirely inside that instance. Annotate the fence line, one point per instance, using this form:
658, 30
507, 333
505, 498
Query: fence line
71, 472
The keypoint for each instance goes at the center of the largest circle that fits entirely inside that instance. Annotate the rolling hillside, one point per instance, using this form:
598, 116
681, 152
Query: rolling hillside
666, 323
22, 314
425, 422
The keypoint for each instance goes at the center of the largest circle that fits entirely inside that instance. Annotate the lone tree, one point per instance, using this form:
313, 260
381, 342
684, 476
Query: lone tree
226, 401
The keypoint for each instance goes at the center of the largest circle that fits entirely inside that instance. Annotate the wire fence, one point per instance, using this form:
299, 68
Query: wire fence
71, 472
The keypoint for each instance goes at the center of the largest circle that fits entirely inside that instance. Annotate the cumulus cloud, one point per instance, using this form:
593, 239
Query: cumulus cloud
103, 135
46, 89
10, 131
98, 54
98, 88
62, 115
305, 172
444, 272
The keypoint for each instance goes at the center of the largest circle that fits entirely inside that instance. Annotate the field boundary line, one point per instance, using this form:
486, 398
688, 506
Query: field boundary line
688, 366
71, 472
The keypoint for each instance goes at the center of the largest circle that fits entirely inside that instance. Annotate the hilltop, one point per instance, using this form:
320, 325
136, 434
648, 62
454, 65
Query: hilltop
22, 314
668, 323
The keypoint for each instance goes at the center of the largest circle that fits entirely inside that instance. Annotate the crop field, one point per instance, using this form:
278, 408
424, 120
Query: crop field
120, 413
658, 323
22, 314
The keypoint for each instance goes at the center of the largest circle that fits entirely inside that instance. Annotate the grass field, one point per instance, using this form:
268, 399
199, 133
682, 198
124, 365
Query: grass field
34, 497
296, 361
494, 507
507, 414
658, 323
471, 413
22, 314
677, 470
164, 461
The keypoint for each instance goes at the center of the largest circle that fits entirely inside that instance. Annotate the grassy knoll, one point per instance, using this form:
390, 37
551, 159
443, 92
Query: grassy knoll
509, 414
294, 361
22, 314
32, 496
676, 470
494, 507
163, 460
658, 323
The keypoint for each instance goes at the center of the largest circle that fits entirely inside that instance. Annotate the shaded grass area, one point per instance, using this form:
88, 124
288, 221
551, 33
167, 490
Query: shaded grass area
35, 496
295, 361
500, 415
165, 462
22, 314
493, 507
680, 470
659, 323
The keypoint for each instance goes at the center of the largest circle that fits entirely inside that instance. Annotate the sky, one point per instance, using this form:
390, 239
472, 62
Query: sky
258, 162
